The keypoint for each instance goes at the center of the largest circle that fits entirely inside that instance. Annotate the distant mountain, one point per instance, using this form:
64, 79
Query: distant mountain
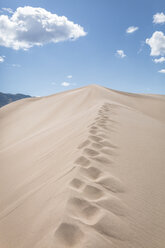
6, 98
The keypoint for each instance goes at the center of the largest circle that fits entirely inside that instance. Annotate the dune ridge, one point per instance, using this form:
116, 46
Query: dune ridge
84, 169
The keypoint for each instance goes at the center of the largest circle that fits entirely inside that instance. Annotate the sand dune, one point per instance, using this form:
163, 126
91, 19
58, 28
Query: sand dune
83, 168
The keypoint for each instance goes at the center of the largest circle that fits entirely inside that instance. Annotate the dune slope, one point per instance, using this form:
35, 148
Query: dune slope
83, 168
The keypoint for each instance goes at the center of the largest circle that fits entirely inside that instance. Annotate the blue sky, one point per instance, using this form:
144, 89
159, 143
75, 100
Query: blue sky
102, 52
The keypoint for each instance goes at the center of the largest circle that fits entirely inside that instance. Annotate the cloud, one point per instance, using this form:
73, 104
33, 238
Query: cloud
162, 71
69, 76
9, 10
131, 29
2, 59
157, 43
29, 27
160, 60
120, 53
159, 18
65, 84
16, 65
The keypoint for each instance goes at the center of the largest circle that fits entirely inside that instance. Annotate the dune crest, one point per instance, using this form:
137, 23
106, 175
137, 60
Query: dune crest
83, 169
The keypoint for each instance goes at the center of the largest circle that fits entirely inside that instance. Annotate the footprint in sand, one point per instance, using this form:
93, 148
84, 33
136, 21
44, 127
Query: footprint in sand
91, 172
101, 121
102, 135
103, 126
78, 203
95, 138
105, 110
112, 183
83, 161
104, 118
68, 235
94, 127
91, 152
83, 210
97, 145
93, 131
83, 144
102, 159
97, 118
92, 193
76, 183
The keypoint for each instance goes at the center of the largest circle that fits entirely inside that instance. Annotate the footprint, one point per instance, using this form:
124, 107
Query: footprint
97, 145
85, 143
78, 203
102, 159
68, 235
85, 211
103, 127
76, 183
101, 120
92, 124
93, 131
92, 172
95, 138
83, 161
102, 135
90, 215
114, 205
113, 184
104, 118
91, 152
92, 192
97, 118
105, 109
94, 127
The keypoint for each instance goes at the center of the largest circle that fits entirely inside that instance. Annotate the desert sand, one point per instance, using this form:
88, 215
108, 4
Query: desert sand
84, 168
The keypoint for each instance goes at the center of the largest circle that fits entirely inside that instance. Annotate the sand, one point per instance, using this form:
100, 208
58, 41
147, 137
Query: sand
85, 169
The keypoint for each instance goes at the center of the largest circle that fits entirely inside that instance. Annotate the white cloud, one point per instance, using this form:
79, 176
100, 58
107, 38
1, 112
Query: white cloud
69, 76
65, 84
162, 71
157, 43
160, 60
121, 53
131, 29
16, 65
159, 18
2, 59
9, 10
29, 27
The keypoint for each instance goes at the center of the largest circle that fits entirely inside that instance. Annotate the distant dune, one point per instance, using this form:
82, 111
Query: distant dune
84, 169
6, 98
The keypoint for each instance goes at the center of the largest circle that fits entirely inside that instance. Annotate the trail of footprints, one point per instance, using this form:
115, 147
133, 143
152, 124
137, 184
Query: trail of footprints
95, 202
